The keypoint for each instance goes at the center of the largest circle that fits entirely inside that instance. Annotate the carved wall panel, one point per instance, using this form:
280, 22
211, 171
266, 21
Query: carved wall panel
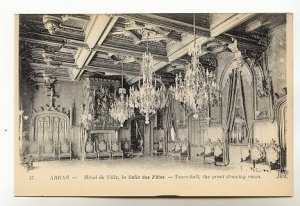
50, 126
99, 94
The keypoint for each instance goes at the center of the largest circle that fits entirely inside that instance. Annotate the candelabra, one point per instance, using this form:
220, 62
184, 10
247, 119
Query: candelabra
198, 88
120, 109
147, 97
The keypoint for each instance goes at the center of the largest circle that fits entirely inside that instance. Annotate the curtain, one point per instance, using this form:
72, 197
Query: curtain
236, 90
246, 112
170, 120
230, 114
281, 120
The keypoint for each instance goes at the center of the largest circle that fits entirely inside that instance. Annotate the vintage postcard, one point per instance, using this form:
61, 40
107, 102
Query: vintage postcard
160, 104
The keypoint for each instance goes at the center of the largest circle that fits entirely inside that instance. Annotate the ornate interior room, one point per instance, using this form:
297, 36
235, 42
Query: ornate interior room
205, 89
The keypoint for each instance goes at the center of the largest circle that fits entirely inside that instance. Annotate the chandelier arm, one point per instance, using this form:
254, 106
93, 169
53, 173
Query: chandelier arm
196, 88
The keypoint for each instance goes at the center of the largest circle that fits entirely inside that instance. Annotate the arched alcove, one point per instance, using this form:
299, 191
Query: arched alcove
249, 77
237, 83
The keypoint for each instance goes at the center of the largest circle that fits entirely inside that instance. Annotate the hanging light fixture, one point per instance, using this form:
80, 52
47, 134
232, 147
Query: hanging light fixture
197, 89
147, 97
120, 109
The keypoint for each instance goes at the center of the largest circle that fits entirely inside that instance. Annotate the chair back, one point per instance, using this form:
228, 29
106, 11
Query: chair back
102, 146
65, 146
115, 147
48, 147
89, 147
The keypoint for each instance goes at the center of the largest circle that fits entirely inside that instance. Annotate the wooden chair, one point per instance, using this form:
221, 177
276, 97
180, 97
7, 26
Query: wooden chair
48, 150
90, 150
65, 149
103, 150
116, 150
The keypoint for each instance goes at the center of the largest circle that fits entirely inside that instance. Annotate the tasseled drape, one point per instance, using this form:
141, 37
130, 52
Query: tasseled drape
236, 90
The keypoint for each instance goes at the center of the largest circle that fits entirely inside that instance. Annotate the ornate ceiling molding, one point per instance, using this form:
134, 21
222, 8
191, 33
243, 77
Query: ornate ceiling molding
57, 23
52, 23
156, 20
96, 32
98, 43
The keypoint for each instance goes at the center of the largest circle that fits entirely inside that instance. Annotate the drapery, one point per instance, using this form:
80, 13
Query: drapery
236, 91
170, 120
140, 133
281, 120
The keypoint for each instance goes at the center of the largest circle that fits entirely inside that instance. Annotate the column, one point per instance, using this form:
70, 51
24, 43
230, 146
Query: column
147, 139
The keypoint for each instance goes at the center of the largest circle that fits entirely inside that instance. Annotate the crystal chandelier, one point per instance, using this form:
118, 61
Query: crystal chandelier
120, 109
147, 97
198, 88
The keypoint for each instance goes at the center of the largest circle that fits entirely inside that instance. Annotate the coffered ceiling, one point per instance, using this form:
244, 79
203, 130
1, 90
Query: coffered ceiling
70, 47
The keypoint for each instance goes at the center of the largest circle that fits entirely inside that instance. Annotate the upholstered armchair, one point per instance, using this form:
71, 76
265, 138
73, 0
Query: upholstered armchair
48, 150
218, 152
103, 150
209, 156
116, 150
246, 162
159, 148
257, 153
177, 150
34, 150
65, 149
128, 152
171, 149
257, 158
180, 150
273, 155
184, 150
90, 150
140, 151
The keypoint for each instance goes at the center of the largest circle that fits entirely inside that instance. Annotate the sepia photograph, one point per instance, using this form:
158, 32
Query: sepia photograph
154, 104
